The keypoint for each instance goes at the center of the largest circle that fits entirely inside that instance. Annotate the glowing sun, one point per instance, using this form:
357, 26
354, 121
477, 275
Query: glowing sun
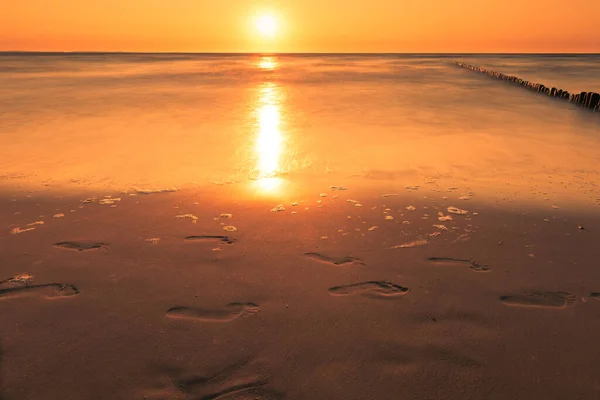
266, 25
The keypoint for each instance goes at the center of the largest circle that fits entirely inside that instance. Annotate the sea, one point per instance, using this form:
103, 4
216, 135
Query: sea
113, 121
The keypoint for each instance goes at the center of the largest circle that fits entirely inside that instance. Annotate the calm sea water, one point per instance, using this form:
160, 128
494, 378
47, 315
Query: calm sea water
116, 121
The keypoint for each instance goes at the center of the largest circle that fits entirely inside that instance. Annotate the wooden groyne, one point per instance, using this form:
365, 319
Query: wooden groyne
587, 100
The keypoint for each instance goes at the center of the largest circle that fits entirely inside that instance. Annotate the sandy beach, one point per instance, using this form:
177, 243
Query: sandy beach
432, 262
333, 301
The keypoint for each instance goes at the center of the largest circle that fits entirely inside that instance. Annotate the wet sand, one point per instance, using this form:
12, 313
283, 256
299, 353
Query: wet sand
342, 294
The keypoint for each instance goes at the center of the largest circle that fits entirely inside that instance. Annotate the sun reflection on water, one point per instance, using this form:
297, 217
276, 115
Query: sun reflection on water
268, 63
269, 141
269, 144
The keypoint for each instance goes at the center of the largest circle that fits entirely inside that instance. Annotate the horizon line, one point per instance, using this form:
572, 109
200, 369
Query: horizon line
84, 52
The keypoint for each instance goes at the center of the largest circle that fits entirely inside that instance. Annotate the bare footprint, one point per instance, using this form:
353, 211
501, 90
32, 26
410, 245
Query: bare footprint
335, 261
539, 299
80, 245
377, 288
230, 382
228, 313
49, 290
239, 389
472, 264
222, 239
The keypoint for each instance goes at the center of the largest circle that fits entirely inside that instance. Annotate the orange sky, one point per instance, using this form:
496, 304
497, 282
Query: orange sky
304, 25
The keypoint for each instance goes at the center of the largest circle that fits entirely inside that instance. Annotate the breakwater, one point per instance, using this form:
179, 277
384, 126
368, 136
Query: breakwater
587, 100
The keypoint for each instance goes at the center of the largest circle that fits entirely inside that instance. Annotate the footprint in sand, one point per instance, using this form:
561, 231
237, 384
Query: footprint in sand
19, 286
240, 388
231, 382
539, 299
335, 261
80, 245
203, 238
228, 313
449, 261
372, 288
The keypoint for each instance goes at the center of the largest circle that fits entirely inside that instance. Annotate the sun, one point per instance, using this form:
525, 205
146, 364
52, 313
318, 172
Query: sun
266, 25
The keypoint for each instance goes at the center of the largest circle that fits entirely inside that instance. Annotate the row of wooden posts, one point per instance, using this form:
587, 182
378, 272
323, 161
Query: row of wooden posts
587, 100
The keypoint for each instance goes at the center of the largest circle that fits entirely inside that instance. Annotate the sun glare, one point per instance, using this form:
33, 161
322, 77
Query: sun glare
268, 63
269, 143
266, 25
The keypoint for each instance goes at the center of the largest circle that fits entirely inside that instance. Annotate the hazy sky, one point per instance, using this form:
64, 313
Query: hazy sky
302, 25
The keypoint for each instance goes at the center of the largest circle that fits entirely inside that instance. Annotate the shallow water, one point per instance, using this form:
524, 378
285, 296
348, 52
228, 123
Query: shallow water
115, 122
